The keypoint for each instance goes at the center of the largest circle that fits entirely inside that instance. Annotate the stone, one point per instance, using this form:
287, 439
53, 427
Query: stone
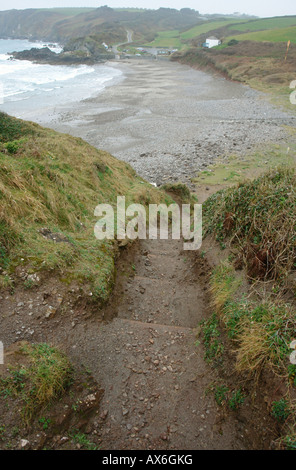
24, 444
50, 312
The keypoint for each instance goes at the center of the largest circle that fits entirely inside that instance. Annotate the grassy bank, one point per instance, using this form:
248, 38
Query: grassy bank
50, 184
46, 402
252, 286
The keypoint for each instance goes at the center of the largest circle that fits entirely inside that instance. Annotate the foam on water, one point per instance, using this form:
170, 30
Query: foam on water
23, 80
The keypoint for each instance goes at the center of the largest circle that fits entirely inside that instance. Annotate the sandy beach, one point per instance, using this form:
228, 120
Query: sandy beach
170, 121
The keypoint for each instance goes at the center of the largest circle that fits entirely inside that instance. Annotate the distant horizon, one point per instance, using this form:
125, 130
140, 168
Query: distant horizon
265, 9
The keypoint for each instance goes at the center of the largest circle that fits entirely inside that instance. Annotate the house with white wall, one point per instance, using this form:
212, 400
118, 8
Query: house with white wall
211, 42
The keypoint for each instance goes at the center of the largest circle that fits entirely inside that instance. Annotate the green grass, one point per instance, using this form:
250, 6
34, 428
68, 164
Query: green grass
266, 23
177, 39
236, 169
280, 410
224, 397
81, 439
43, 378
223, 285
54, 181
272, 35
259, 216
236, 400
211, 337
166, 39
180, 190
261, 330
220, 394
205, 28
253, 295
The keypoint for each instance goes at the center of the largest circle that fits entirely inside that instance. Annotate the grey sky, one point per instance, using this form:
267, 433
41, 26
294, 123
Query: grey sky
263, 8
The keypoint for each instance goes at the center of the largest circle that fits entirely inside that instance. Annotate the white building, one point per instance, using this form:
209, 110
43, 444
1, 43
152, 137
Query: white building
211, 42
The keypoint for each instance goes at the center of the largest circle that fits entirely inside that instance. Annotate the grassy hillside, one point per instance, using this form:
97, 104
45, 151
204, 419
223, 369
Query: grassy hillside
65, 23
266, 24
278, 29
50, 184
252, 285
67, 11
180, 38
266, 29
170, 39
207, 27
273, 35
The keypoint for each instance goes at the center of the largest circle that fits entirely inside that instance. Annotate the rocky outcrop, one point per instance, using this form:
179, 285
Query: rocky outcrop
66, 57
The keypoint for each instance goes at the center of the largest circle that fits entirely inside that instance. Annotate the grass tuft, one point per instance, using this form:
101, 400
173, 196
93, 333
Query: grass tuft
44, 378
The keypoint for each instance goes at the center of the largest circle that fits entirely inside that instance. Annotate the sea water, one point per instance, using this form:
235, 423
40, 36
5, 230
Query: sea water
27, 89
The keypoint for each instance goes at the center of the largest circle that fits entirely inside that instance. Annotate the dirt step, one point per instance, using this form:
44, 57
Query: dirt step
155, 382
164, 328
171, 301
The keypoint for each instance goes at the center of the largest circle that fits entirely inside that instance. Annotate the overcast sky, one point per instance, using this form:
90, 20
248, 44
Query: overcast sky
261, 8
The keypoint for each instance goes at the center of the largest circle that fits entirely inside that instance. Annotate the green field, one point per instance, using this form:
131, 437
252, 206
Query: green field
176, 38
272, 35
279, 29
206, 27
267, 23
169, 39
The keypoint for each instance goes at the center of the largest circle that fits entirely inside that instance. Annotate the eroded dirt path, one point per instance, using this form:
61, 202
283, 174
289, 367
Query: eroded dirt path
142, 350
147, 360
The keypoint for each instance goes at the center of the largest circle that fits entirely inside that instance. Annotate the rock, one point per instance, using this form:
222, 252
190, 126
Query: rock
90, 403
123, 243
73, 55
33, 278
50, 312
24, 444
104, 414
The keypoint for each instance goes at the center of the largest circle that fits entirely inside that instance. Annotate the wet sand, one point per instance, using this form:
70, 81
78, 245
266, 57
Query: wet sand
170, 121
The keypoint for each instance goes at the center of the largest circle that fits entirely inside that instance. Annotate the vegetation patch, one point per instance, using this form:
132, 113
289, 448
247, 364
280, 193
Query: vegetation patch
258, 217
180, 190
253, 295
260, 330
211, 336
50, 185
232, 399
233, 169
46, 402
43, 377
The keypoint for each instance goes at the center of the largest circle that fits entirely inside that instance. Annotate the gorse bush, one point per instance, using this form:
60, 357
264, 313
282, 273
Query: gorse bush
262, 330
259, 217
